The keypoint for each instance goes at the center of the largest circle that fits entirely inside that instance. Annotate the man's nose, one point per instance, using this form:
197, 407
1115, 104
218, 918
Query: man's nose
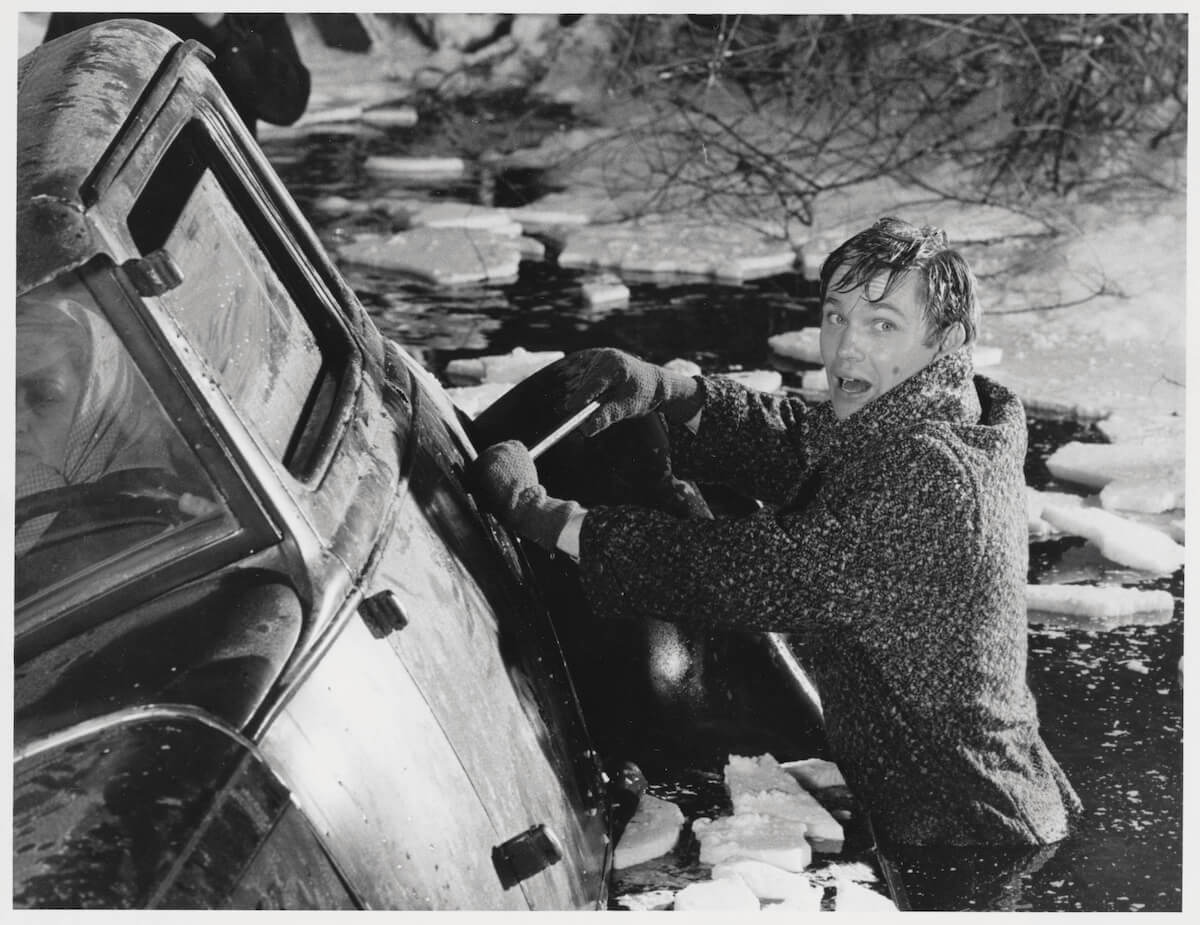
848, 347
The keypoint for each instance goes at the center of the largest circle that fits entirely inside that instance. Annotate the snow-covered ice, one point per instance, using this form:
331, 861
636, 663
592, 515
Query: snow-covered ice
421, 167
472, 399
605, 291
760, 786
652, 832
446, 256
1119, 539
728, 894
677, 248
770, 839
1102, 604
853, 897
1097, 464
815, 773
1147, 495
771, 883
501, 367
803, 344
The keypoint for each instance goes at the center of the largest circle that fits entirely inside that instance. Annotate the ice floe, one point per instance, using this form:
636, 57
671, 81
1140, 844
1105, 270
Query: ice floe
802, 345
605, 291
677, 248
771, 883
1119, 539
509, 367
1103, 605
651, 832
419, 213
815, 773
472, 399
1159, 461
442, 168
770, 839
445, 256
727, 894
760, 786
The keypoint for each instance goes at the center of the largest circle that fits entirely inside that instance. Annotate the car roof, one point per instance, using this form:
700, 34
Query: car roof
74, 97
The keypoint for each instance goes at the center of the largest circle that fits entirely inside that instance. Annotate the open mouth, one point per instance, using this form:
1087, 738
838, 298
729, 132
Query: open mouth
853, 386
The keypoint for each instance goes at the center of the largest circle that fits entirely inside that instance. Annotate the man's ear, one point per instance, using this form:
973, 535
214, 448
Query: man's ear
954, 337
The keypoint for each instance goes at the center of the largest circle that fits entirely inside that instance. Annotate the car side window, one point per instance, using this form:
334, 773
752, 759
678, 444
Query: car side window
102, 473
233, 304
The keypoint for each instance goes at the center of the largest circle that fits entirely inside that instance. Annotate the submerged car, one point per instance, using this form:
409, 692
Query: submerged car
268, 651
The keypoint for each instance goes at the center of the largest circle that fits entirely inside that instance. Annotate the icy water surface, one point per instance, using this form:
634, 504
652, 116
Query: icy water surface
1110, 701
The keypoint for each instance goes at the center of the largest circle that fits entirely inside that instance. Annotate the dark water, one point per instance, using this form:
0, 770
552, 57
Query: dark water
1110, 701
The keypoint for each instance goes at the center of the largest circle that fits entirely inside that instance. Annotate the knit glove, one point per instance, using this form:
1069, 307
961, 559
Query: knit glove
506, 483
627, 388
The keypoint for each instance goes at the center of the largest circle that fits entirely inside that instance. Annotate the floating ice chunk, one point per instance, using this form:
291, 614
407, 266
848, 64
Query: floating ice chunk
760, 786
726, 894
760, 774
605, 291
402, 116
652, 831
815, 773
472, 399
423, 167
1119, 539
689, 248
762, 380
446, 256
770, 839
823, 832
1035, 503
853, 897
803, 344
647, 901
417, 213
1099, 603
350, 113
1097, 464
502, 367
1147, 496
768, 882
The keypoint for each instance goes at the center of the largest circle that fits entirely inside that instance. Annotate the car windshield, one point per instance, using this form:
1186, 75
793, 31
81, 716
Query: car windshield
106, 488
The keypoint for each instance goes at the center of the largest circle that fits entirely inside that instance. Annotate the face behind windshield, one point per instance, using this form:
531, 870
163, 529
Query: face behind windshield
100, 470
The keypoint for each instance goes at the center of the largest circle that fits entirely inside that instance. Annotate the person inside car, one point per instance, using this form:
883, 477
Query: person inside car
84, 416
892, 540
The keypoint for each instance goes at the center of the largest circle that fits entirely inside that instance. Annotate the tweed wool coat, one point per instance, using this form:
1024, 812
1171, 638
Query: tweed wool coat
894, 543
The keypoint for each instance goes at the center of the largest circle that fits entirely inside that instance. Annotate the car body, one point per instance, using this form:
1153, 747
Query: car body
276, 658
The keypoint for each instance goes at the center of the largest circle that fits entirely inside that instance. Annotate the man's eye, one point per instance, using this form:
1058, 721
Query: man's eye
885, 326
833, 318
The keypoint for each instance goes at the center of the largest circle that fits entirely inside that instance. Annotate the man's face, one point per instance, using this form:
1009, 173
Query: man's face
871, 346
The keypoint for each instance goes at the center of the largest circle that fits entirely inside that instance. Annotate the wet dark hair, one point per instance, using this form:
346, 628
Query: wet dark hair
897, 247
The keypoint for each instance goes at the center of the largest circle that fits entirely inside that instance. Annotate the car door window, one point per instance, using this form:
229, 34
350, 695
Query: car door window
104, 483
233, 304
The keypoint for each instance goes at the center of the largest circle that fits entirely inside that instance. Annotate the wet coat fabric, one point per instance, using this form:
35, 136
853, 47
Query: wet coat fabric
256, 61
894, 545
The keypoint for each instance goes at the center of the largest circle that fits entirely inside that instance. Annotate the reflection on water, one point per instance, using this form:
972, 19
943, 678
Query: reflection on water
1110, 701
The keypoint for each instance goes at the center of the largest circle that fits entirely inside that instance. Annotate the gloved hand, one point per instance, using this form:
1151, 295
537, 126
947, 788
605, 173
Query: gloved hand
627, 387
505, 480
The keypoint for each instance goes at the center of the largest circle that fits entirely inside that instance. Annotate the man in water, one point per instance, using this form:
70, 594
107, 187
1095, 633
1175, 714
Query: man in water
892, 541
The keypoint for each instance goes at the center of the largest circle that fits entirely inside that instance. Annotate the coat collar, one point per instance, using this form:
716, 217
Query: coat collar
942, 391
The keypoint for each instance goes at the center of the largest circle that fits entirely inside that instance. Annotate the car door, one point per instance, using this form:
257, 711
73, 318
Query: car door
423, 758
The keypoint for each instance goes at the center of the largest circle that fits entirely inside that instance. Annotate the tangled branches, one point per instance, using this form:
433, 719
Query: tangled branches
1009, 107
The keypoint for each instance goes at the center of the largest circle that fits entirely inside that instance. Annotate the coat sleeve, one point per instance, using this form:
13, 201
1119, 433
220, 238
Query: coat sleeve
884, 547
760, 444
260, 68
